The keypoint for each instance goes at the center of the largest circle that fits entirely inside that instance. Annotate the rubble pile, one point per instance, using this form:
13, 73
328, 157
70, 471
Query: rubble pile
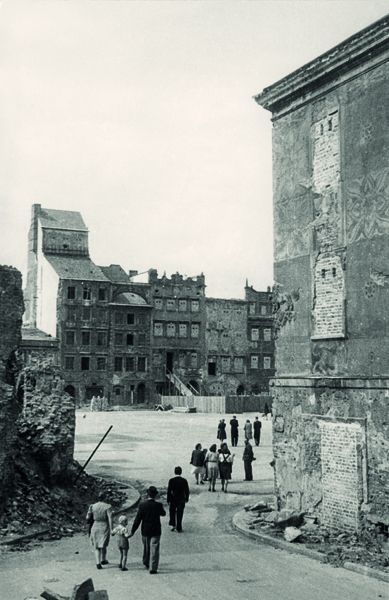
58, 510
369, 547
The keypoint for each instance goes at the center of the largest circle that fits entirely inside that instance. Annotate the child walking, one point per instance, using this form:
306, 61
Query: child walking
123, 534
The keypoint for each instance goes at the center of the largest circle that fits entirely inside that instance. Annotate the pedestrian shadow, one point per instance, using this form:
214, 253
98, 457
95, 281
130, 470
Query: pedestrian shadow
173, 569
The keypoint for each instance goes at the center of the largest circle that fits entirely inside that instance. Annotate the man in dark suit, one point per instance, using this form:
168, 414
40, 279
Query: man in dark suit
149, 513
234, 431
257, 431
177, 497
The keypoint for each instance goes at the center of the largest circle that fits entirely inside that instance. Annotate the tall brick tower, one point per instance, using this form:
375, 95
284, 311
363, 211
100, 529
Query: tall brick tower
331, 230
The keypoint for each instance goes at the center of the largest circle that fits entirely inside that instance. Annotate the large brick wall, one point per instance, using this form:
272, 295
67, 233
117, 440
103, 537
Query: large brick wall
331, 228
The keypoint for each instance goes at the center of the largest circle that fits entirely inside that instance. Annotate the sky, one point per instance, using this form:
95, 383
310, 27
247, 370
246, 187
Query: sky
141, 116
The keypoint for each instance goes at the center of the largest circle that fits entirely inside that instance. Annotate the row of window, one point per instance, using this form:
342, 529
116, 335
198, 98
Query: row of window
120, 339
129, 318
254, 362
72, 313
73, 293
266, 334
183, 330
181, 304
263, 309
127, 363
185, 359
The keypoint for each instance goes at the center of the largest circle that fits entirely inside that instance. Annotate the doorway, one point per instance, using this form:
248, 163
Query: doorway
169, 361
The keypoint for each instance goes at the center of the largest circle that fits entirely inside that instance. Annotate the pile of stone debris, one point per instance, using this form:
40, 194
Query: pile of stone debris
57, 510
369, 547
83, 591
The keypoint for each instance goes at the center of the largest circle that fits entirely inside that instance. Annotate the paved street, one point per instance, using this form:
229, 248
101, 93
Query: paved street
207, 561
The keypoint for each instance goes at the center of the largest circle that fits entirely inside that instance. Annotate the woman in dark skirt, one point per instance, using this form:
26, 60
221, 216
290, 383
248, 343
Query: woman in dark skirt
225, 466
221, 430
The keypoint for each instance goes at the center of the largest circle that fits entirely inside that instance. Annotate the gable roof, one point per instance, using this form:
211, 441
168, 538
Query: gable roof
76, 267
61, 219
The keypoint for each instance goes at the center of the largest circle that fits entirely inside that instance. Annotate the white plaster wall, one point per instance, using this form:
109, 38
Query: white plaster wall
47, 289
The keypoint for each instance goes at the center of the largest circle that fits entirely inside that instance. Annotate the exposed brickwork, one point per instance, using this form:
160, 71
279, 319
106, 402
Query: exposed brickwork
11, 311
331, 230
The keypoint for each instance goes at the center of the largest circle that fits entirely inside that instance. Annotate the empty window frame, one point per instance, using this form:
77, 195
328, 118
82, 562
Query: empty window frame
102, 294
130, 339
86, 292
118, 363
130, 363
86, 313
69, 363
85, 363
71, 292
130, 318
85, 338
141, 364
70, 338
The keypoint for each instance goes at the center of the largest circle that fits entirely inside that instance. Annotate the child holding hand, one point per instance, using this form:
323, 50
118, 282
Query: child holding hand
123, 534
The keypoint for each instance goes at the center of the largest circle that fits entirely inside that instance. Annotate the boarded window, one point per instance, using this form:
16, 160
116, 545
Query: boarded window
183, 330
267, 362
195, 306
254, 361
193, 360
267, 334
252, 308
226, 364
158, 329
195, 330
254, 334
238, 364
171, 330
170, 304
182, 305
263, 309
158, 303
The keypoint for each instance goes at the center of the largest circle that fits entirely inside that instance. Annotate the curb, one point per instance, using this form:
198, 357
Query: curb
127, 505
296, 549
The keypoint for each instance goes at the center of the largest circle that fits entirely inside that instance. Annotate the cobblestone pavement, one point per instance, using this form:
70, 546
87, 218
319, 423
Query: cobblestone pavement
209, 560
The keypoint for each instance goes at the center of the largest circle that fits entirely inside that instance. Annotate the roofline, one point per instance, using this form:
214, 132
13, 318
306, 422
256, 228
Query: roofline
86, 230
342, 58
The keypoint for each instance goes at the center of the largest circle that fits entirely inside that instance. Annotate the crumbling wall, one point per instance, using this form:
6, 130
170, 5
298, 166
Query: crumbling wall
11, 311
47, 424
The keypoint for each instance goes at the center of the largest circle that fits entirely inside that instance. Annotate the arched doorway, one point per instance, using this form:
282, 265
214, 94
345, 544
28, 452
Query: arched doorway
240, 390
70, 390
140, 393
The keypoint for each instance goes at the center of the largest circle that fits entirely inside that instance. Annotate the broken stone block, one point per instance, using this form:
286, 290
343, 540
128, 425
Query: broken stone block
50, 595
291, 534
247, 507
287, 518
81, 591
98, 595
259, 506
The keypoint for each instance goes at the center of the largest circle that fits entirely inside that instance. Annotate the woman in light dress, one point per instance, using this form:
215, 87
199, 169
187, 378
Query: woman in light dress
248, 430
212, 461
100, 515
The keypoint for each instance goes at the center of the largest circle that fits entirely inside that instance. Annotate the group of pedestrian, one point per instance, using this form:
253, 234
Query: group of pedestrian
98, 403
248, 429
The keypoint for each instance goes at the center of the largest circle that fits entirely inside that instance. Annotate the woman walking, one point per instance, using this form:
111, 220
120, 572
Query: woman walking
225, 466
100, 515
248, 430
221, 431
197, 462
212, 459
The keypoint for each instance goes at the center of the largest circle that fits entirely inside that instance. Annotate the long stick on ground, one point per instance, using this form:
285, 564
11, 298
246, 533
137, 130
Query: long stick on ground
93, 453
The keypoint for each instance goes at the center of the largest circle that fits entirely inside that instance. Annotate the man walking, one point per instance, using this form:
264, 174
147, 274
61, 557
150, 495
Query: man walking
177, 497
257, 431
149, 513
248, 457
234, 431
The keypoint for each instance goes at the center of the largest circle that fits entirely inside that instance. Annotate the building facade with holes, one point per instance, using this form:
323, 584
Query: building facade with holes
331, 229
130, 337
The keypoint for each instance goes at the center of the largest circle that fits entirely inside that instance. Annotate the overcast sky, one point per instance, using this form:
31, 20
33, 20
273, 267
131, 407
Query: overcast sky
140, 116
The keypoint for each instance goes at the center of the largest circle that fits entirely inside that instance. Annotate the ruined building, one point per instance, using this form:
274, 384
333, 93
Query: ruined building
331, 228
118, 335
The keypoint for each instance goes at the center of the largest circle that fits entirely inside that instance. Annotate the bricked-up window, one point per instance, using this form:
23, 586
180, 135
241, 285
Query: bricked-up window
71, 292
195, 306
254, 334
158, 329
70, 338
130, 363
193, 360
252, 308
263, 309
130, 339
86, 313
254, 361
86, 292
101, 363
101, 338
118, 339
226, 364
102, 293
212, 367
118, 318
182, 330
267, 362
158, 303
141, 364
85, 363
195, 330
157, 359
85, 338
170, 304
182, 305
171, 330
118, 363
238, 364
141, 339
130, 318
267, 334
69, 363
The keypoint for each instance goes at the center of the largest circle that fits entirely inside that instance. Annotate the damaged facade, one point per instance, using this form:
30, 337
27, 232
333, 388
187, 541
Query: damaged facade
130, 337
331, 228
